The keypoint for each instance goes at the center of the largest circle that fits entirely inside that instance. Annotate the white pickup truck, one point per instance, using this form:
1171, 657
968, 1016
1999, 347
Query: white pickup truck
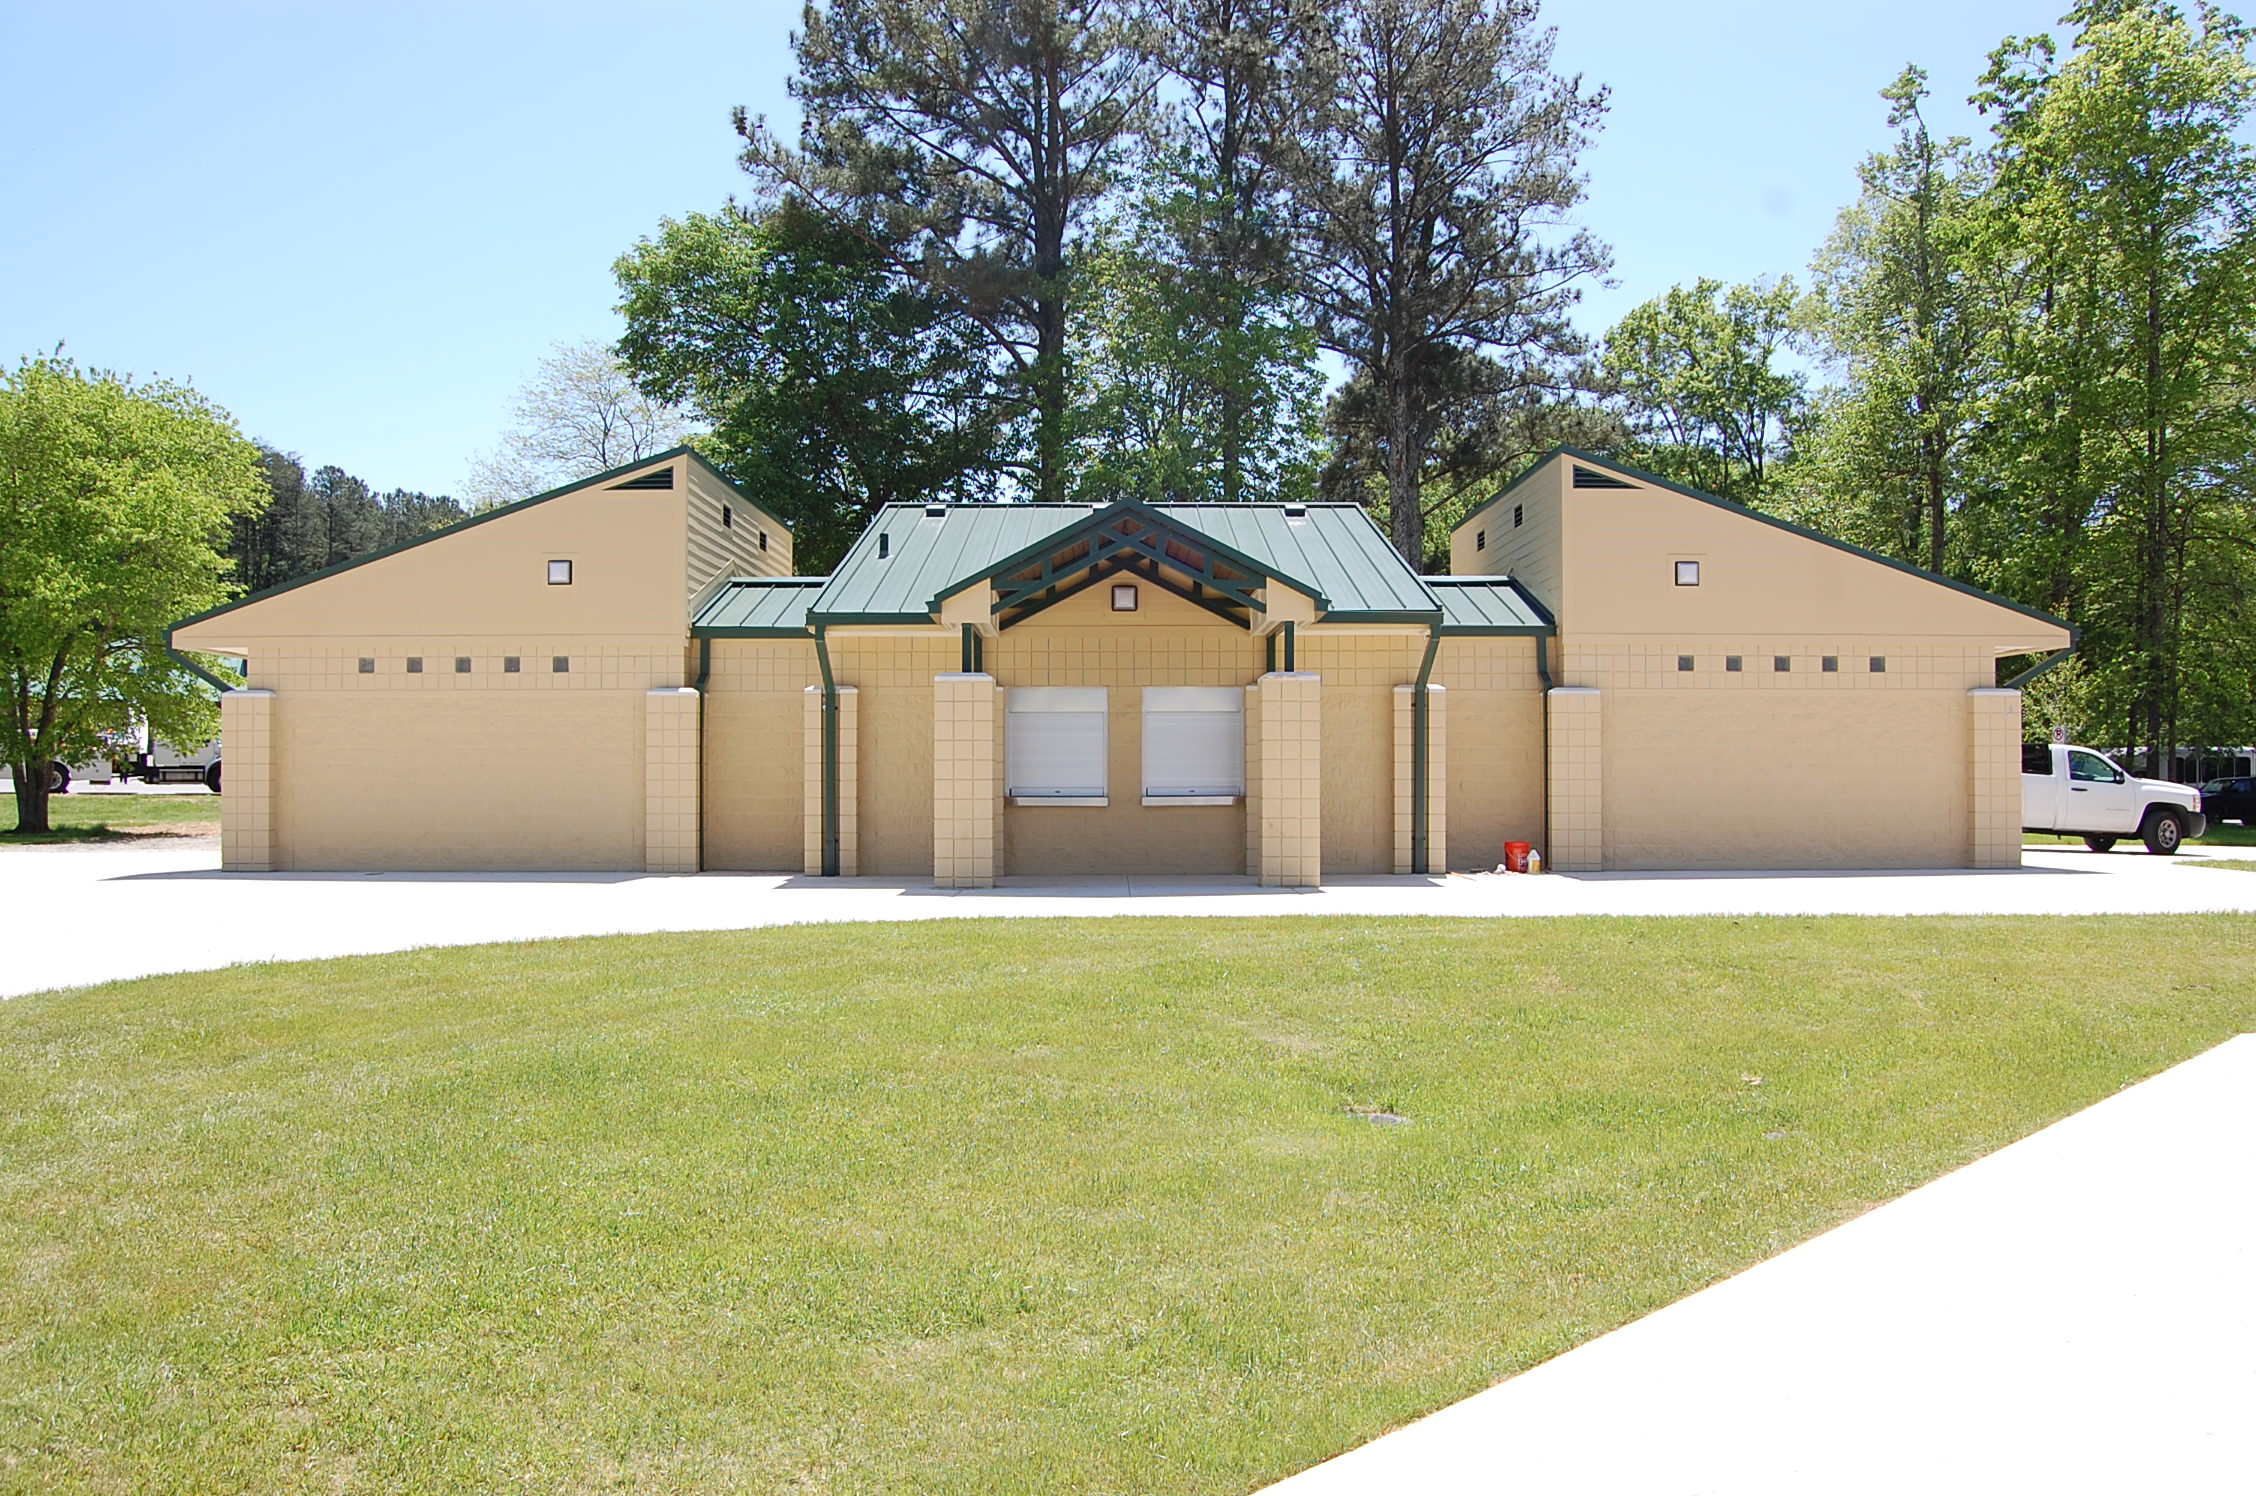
2076, 792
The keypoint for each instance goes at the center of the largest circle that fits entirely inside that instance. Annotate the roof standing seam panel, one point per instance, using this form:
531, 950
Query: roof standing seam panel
778, 603
1334, 551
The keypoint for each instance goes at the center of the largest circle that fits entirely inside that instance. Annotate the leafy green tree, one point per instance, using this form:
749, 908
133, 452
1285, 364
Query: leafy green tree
1429, 177
1695, 375
1195, 384
2125, 226
1902, 314
833, 382
975, 140
1498, 419
115, 498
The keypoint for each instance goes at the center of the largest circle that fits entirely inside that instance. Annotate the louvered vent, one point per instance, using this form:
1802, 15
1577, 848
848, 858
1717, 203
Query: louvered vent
664, 478
1591, 478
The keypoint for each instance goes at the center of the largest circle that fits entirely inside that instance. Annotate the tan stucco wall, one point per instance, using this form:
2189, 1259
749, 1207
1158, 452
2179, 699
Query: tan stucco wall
487, 780
1360, 671
1165, 642
753, 727
1496, 737
893, 671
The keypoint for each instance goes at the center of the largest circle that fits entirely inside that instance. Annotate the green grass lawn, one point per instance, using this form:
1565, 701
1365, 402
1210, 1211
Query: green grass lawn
78, 817
1013, 1206
2228, 864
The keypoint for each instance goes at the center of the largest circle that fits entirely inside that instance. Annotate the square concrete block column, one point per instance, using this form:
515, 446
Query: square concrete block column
671, 768
964, 770
1994, 760
1576, 771
1405, 779
849, 780
246, 808
1292, 780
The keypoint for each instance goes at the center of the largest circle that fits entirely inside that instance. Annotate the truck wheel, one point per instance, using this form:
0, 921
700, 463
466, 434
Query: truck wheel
58, 779
2100, 843
2162, 833
211, 777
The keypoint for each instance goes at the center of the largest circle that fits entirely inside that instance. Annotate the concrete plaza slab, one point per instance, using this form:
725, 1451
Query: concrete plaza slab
79, 915
2074, 1313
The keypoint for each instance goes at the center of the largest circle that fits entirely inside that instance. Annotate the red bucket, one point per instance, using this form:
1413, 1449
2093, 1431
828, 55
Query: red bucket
1516, 856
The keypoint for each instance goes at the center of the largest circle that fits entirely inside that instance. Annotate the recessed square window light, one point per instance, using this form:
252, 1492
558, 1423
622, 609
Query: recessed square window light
414, 664
1731, 663
461, 664
1687, 573
1124, 598
559, 573
1683, 663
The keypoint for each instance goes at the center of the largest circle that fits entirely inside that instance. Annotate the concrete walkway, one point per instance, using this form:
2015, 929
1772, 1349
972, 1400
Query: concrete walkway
2075, 1313
103, 913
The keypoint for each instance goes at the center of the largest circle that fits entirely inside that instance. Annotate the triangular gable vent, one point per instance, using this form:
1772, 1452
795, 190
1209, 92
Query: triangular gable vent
657, 478
1592, 478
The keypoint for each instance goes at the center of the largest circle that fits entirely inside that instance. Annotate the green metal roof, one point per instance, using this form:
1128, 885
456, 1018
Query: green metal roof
758, 608
1489, 605
1331, 551
911, 555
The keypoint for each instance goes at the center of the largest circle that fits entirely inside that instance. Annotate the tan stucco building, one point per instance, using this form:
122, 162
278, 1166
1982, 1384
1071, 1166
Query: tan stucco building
624, 674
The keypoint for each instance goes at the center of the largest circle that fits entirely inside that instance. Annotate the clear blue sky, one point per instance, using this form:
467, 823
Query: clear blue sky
358, 226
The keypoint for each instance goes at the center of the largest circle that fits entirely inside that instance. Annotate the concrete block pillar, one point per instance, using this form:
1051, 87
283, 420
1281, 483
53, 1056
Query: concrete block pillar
849, 780
1994, 761
1574, 776
246, 805
671, 781
964, 771
1405, 778
1292, 780
1253, 780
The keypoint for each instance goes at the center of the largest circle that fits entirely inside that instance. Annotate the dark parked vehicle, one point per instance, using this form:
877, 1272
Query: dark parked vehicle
2230, 800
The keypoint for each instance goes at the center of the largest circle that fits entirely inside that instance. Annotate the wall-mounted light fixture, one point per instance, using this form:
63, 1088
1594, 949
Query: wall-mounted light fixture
1124, 598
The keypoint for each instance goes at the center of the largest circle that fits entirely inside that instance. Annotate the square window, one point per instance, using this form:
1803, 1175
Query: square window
1687, 573
1781, 663
1879, 664
1831, 664
728, 518
1731, 663
560, 664
1683, 663
511, 664
559, 573
1124, 598
1194, 742
414, 664
461, 664
1518, 513
1480, 540
1055, 742
367, 665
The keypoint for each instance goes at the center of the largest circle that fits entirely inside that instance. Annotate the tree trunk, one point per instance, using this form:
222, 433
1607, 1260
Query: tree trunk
1405, 515
31, 796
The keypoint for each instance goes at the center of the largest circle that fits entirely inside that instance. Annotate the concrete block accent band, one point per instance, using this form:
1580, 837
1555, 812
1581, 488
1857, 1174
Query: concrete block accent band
672, 757
965, 768
246, 810
1405, 778
1292, 780
1993, 758
1577, 762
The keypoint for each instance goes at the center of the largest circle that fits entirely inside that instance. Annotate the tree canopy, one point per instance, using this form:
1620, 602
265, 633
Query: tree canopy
117, 498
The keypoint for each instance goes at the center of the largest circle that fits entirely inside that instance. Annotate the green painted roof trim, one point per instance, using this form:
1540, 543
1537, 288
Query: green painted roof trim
1655, 480
468, 521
